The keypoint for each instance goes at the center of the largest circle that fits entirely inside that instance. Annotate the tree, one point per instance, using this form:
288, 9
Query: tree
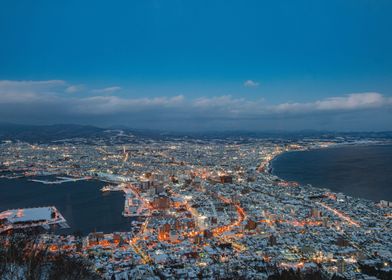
24, 257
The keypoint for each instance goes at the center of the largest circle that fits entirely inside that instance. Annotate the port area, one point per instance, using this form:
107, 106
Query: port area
60, 180
44, 217
135, 205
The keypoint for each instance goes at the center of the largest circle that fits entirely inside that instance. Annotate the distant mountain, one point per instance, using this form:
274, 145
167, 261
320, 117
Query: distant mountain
48, 133
44, 133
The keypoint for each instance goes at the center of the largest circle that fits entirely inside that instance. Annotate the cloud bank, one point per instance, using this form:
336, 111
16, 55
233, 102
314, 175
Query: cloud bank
50, 101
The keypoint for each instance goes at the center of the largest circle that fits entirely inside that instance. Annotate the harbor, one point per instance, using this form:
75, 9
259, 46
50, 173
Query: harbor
60, 180
79, 202
134, 204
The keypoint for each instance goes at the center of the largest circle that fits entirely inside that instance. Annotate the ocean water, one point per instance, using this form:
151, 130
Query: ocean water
358, 171
83, 205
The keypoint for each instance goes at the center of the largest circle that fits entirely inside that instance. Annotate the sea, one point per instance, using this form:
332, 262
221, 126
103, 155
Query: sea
363, 171
82, 204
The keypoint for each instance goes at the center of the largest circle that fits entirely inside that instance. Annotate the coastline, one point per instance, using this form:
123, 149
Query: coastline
270, 168
68, 200
312, 148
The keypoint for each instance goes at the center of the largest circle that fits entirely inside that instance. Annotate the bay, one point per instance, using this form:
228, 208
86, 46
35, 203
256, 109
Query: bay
83, 205
358, 170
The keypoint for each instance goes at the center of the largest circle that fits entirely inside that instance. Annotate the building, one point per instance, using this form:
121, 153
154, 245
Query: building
226, 179
341, 265
272, 240
250, 225
161, 202
315, 213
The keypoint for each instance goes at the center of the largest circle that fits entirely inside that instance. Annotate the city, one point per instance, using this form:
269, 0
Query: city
196, 139
204, 209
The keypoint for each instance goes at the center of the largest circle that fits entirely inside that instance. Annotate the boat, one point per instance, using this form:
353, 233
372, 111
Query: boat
106, 189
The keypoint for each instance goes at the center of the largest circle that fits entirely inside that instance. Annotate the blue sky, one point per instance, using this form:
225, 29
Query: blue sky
170, 64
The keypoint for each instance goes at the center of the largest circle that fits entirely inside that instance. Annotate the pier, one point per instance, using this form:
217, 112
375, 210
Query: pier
31, 217
61, 180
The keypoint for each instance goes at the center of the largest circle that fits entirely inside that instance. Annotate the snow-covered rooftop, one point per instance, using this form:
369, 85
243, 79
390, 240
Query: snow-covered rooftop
27, 214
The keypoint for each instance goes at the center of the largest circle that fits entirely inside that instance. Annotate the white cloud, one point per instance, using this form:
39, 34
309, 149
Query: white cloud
97, 105
29, 91
48, 99
226, 104
34, 91
107, 90
30, 86
354, 101
251, 84
26, 83
74, 88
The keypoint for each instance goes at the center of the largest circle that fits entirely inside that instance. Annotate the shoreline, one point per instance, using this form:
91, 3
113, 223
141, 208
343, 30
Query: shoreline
73, 216
333, 146
270, 171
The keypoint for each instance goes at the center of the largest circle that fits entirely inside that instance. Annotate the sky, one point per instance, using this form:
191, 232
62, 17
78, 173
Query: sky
198, 65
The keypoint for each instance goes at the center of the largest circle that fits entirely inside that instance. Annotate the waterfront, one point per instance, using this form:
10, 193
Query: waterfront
359, 171
212, 204
79, 202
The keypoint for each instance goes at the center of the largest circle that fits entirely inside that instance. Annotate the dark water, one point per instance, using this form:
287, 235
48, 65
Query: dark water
358, 171
82, 203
